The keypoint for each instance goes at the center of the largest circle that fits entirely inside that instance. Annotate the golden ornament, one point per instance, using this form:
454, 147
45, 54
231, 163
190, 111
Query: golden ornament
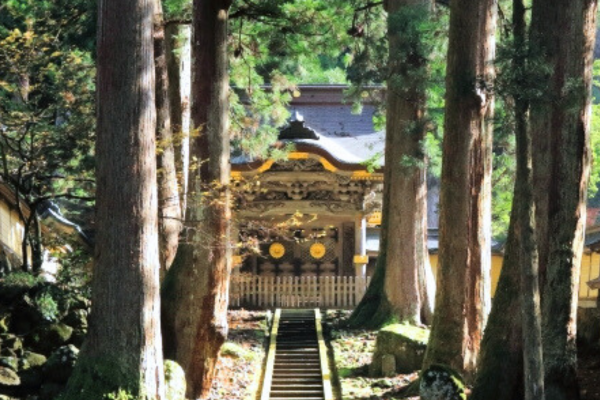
276, 250
317, 250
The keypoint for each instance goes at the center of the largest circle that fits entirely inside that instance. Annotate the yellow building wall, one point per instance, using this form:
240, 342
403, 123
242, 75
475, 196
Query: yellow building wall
11, 228
590, 269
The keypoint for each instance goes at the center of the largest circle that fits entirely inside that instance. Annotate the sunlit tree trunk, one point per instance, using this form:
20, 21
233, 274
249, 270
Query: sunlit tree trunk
463, 286
123, 346
511, 361
196, 289
169, 211
399, 287
567, 189
176, 43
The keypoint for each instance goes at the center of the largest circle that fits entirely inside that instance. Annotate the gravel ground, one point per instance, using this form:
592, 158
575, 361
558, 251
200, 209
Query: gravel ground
239, 366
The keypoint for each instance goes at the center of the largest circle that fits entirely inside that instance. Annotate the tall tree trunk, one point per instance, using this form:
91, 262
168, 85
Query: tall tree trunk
545, 17
123, 347
570, 155
405, 258
500, 366
174, 46
465, 217
169, 211
37, 250
182, 148
25, 266
196, 288
524, 204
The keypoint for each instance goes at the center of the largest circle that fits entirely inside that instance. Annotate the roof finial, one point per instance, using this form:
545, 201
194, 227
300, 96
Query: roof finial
297, 117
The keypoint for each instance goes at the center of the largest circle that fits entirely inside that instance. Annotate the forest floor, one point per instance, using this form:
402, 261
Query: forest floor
352, 350
240, 365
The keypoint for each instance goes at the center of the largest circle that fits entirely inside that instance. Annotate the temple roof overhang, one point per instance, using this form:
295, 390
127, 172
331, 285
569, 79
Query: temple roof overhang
307, 154
324, 127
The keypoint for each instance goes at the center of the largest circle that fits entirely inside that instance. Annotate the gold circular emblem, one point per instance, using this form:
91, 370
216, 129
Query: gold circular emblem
318, 250
276, 250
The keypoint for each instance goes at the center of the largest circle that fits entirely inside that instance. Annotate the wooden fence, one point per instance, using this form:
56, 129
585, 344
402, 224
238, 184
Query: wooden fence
297, 291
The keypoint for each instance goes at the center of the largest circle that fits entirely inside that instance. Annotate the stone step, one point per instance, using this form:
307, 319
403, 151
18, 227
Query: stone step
298, 393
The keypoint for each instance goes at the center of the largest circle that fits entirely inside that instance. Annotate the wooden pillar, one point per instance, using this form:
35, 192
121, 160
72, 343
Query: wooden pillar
360, 242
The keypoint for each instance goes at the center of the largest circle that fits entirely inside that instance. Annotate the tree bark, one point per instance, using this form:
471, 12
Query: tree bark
182, 148
570, 161
123, 347
463, 291
196, 289
169, 211
37, 249
405, 259
500, 366
543, 50
524, 204
174, 47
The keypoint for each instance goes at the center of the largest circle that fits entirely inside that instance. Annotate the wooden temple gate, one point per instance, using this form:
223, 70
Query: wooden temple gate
297, 291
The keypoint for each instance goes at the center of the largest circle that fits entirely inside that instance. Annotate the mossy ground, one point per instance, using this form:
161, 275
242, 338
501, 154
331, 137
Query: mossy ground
419, 335
352, 352
99, 379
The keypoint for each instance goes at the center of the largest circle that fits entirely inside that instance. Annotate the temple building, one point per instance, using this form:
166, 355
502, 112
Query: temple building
317, 214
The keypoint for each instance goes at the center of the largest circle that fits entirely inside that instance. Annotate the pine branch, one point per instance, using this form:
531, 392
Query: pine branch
368, 6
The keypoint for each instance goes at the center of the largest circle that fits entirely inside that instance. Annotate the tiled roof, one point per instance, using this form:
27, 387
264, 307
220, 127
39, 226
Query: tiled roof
348, 137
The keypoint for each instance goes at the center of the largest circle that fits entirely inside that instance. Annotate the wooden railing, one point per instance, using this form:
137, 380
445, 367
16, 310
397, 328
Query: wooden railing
297, 292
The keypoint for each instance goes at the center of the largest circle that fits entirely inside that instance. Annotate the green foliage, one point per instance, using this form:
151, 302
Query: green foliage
273, 44
367, 57
257, 115
47, 93
47, 105
47, 305
234, 350
504, 169
177, 9
21, 279
502, 193
422, 38
413, 30
72, 22
283, 35
595, 138
121, 394
372, 163
74, 261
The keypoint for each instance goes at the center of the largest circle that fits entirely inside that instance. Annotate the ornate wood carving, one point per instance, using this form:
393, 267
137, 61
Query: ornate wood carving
307, 164
306, 180
261, 207
334, 207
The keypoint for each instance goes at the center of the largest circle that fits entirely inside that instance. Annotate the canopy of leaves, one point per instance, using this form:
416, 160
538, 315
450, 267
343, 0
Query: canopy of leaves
47, 94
